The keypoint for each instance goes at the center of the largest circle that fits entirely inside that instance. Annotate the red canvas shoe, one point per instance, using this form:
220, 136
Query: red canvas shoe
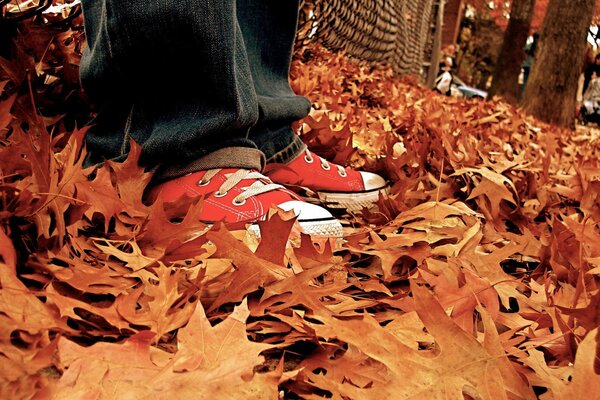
245, 196
330, 184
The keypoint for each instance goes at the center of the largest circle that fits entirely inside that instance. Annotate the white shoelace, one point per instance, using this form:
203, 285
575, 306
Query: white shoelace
324, 164
258, 187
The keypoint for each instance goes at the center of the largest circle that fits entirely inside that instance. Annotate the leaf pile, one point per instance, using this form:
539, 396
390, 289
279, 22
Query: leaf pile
477, 278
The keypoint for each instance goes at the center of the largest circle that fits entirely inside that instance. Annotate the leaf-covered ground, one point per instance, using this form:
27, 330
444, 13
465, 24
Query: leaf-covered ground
477, 278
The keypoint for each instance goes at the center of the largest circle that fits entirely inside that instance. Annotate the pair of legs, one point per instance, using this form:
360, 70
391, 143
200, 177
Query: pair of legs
187, 78
202, 86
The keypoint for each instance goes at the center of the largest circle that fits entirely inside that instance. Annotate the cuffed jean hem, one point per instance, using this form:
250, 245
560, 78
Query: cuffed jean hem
289, 153
228, 157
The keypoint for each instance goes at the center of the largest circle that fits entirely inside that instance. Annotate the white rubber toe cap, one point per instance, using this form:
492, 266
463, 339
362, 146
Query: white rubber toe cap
314, 219
372, 181
306, 211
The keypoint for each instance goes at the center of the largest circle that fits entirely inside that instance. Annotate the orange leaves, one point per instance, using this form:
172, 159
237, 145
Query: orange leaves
578, 381
26, 348
399, 370
5, 106
476, 278
208, 362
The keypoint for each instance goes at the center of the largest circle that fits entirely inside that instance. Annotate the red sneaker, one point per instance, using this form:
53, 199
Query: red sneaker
330, 184
240, 195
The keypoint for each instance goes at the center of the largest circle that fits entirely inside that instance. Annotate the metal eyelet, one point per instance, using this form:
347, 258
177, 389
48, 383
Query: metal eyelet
342, 173
326, 167
308, 159
238, 203
203, 182
219, 194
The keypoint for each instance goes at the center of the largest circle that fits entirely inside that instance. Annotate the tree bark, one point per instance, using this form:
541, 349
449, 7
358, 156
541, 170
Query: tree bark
437, 46
551, 90
505, 81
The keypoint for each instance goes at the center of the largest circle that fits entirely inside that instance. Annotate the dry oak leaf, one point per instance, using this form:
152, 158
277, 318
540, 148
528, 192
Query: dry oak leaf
434, 211
131, 180
53, 175
210, 362
251, 272
160, 233
589, 316
301, 290
100, 196
25, 344
459, 365
493, 186
68, 307
580, 381
426, 225
116, 190
348, 375
7, 251
160, 304
5, 106
274, 236
487, 267
463, 300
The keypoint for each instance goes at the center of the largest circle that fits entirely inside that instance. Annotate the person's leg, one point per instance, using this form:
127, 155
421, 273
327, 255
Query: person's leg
269, 29
140, 70
190, 117
525, 78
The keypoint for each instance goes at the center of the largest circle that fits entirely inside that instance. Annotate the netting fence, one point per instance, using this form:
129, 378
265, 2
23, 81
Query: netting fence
398, 32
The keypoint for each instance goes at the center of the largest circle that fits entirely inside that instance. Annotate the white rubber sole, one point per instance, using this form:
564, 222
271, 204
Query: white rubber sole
318, 230
350, 201
325, 228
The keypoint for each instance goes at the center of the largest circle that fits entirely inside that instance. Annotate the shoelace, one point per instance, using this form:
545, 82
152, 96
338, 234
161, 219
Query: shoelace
258, 187
324, 164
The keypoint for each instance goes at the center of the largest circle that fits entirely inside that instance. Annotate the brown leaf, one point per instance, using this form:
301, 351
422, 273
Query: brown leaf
160, 233
5, 106
274, 237
160, 304
251, 272
449, 372
216, 362
7, 251
463, 300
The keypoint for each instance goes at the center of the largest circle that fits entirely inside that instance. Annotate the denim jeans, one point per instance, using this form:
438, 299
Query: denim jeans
189, 78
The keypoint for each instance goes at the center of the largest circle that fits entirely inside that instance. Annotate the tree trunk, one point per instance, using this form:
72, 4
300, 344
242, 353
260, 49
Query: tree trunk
505, 82
551, 90
437, 44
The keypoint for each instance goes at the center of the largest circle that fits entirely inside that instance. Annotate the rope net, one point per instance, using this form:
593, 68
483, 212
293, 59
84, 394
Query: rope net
398, 32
